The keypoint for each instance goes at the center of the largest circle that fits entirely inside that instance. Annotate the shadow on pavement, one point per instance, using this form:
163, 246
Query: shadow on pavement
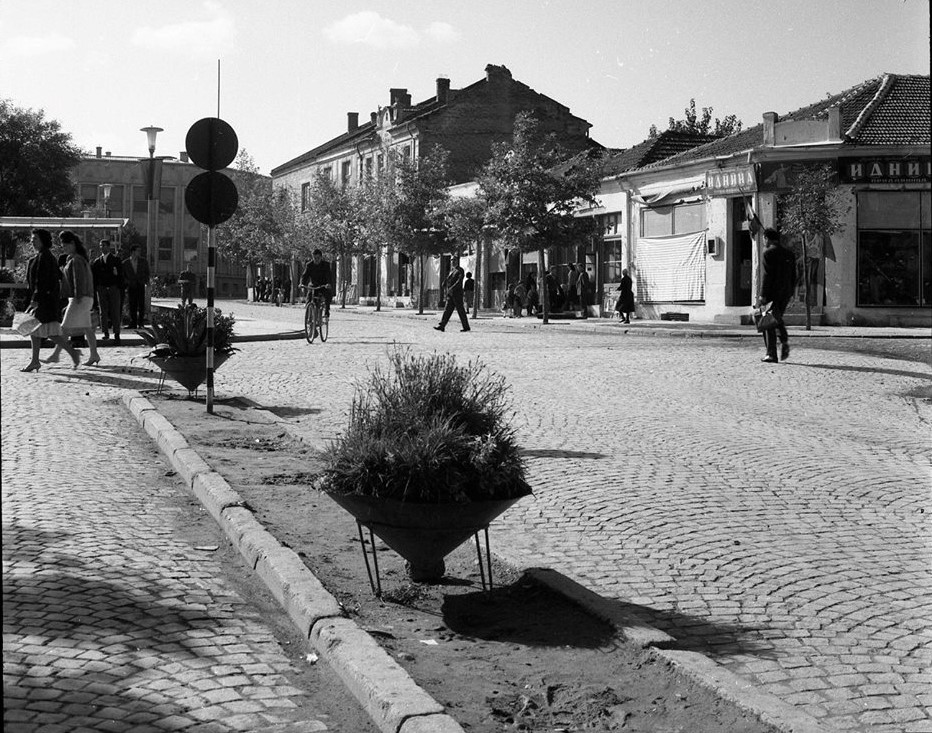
557, 453
525, 612
869, 370
286, 412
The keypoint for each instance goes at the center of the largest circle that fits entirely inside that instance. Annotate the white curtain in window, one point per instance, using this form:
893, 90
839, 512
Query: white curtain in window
671, 268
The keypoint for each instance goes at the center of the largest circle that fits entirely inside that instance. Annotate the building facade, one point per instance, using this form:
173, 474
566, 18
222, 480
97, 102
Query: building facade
694, 250
466, 122
180, 238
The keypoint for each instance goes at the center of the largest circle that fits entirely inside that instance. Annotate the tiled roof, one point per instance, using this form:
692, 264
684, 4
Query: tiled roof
652, 150
891, 109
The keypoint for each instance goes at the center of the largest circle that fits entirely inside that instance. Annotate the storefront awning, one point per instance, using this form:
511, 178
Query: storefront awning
59, 222
669, 196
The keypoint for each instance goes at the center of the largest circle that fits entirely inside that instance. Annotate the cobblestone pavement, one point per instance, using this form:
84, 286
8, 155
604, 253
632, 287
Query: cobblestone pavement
774, 517
119, 608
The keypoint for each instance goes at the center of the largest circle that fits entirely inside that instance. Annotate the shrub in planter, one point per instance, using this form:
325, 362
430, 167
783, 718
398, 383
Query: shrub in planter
183, 332
178, 341
428, 430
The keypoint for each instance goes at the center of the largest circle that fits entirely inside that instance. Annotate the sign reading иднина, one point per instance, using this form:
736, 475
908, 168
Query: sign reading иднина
725, 181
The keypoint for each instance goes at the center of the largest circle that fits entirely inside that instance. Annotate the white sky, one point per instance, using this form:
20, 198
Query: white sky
292, 69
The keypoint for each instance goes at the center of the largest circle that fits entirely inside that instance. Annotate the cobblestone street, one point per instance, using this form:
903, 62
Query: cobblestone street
774, 517
119, 611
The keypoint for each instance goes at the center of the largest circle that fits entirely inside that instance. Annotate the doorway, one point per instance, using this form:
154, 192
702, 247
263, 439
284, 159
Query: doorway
739, 291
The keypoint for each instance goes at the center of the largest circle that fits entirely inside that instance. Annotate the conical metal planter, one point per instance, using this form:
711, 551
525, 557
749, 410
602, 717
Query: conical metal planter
423, 534
189, 371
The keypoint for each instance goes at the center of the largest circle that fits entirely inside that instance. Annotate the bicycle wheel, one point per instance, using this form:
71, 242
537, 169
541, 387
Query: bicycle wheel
324, 324
310, 318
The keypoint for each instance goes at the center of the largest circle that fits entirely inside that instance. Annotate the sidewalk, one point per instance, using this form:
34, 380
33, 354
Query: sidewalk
256, 327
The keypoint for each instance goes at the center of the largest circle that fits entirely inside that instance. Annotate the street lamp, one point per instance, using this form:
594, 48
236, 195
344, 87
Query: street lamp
105, 189
151, 133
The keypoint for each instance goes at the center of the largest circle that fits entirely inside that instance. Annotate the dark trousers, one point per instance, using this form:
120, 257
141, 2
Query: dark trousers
110, 301
454, 301
779, 331
136, 295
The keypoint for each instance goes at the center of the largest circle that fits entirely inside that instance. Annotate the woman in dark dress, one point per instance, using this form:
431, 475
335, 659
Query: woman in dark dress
43, 276
625, 303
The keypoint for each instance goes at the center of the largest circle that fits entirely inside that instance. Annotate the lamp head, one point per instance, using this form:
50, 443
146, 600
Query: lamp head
151, 132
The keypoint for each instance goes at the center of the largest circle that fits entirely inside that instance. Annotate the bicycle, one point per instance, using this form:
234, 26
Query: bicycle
316, 322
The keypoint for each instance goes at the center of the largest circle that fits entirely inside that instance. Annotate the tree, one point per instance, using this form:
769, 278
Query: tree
419, 202
376, 200
464, 222
331, 222
813, 208
263, 223
532, 202
36, 159
702, 126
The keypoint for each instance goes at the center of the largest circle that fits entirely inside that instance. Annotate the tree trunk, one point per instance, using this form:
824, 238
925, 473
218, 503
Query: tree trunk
420, 285
542, 286
806, 279
378, 279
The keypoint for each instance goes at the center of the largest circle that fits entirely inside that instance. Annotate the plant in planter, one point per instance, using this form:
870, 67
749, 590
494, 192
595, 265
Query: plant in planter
428, 458
178, 342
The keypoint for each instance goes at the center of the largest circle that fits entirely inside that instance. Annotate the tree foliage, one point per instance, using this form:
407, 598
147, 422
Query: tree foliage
702, 125
263, 227
811, 209
36, 159
533, 192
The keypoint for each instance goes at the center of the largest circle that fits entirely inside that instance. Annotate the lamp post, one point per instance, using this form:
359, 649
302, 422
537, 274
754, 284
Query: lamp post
151, 198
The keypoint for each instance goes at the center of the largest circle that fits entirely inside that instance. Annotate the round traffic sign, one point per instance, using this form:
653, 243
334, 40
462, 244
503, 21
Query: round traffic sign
211, 198
211, 143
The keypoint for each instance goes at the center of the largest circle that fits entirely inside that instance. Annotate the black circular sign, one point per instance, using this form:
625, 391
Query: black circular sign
211, 143
211, 198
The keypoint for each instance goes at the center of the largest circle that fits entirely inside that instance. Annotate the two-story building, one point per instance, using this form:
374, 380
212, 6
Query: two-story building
692, 248
466, 122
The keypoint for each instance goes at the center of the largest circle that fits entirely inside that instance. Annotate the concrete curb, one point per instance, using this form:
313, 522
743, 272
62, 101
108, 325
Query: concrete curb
697, 667
389, 695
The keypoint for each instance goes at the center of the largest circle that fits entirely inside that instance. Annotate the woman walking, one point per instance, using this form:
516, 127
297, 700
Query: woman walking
43, 277
625, 303
78, 283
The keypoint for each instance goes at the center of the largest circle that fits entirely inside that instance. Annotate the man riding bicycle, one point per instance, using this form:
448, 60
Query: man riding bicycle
317, 276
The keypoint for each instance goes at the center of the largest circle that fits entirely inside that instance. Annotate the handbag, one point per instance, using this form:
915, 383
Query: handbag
25, 322
764, 318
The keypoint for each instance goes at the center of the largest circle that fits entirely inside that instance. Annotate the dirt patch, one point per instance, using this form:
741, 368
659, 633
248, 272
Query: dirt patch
516, 658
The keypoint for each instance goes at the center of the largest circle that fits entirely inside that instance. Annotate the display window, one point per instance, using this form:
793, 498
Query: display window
894, 250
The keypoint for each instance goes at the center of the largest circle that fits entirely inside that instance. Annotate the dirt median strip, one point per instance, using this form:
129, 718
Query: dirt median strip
388, 693
383, 688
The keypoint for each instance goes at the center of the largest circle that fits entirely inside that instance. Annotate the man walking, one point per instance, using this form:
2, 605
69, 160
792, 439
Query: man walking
453, 286
582, 289
571, 280
136, 277
186, 280
777, 286
108, 282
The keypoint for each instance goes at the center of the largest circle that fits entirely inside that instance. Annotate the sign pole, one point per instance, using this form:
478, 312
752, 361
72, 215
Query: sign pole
211, 260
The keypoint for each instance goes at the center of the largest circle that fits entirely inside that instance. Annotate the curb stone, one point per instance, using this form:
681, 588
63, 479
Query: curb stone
697, 667
385, 690
389, 695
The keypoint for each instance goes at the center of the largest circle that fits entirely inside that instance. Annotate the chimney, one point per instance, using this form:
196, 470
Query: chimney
396, 95
497, 73
770, 122
183, 156
373, 116
99, 150
352, 121
834, 123
107, 154
443, 89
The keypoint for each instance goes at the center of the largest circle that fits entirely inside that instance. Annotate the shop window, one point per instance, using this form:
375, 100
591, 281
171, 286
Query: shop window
612, 264
664, 221
894, 255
